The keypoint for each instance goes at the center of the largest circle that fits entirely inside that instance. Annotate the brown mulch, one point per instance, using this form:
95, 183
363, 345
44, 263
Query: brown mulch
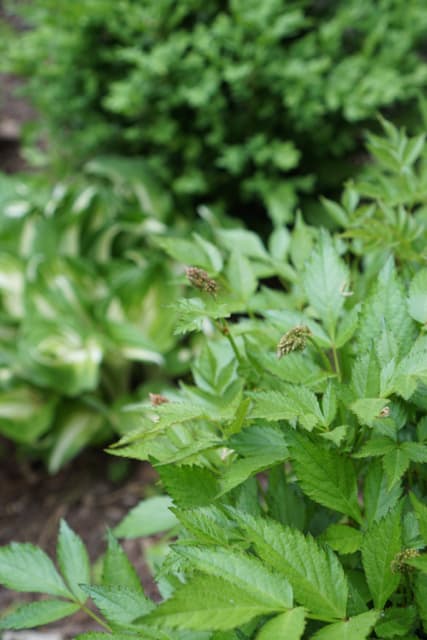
84, 493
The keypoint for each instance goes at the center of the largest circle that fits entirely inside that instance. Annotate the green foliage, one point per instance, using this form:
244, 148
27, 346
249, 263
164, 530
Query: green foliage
240, 104
293, 457
82, 295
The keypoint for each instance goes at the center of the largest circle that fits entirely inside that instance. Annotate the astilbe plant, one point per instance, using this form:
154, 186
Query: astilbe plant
298, 482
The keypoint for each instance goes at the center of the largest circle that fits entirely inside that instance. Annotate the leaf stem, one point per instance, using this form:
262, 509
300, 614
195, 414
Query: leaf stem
93, 615
336, 362
225, 330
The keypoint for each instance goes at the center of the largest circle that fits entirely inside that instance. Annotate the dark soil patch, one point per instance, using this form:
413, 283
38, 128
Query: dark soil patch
32, 503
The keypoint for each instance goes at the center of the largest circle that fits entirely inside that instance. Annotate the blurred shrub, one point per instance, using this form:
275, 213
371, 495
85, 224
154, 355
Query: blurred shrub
83, 291
236, 103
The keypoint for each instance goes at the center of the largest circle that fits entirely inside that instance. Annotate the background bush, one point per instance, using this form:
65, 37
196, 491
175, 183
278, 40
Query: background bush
239, 103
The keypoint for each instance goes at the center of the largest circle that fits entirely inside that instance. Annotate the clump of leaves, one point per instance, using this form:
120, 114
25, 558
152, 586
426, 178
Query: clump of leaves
82, 292
238, 103
298, 482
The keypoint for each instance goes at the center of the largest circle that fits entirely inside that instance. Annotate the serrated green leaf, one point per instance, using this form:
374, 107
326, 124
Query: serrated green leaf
24, 567
329, 404
378, 499
365, 375
252, 440
411, 369
189, 485
417, 299
355, 628
240, 276
347, 326
325, 476
337, 213
150, 516
211, 251
421, 514
417, 451
246, 572
73, 560
35, 614
378, 446
419, 563
324, 279
289, 625
316, 576
342, 538
209, 603
388, 302
289, 404
396, 621
395, 464
119, 605
117, 570
242, 469
209, 525
381, 543
368, 409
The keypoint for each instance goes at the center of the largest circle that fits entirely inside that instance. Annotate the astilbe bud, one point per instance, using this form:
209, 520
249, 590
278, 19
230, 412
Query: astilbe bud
399, 565
200, 279
293, 340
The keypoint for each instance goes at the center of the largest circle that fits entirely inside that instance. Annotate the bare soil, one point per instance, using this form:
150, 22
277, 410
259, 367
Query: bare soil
33, 502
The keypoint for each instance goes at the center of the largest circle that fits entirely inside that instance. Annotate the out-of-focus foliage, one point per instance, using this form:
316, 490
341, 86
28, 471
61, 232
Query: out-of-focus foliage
83, 297
240, 103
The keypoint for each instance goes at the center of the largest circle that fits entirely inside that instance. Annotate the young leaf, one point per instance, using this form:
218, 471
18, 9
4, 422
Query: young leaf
209, 603
291, 403
356, 628
245, 572
117, 570
240, 275
241, 470
24, 567
325, 476
38, 613
120, 605
368, 409
189, 485
342, 538
378, 499
324, 279
209, 525
381, 543
395, 464
73, 560
316, 576
150, 516
289, 625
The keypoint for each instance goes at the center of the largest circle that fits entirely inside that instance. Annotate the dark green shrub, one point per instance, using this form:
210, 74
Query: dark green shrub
243, 103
